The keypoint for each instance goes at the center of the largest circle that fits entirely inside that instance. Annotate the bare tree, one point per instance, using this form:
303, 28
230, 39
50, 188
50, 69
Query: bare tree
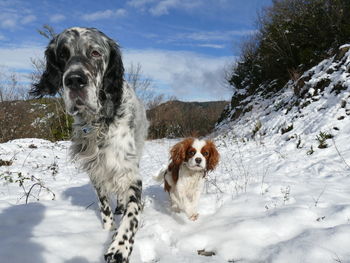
143, 86
11, 86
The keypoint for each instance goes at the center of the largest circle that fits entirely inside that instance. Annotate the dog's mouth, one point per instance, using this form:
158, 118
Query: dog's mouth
79, 106
196, 167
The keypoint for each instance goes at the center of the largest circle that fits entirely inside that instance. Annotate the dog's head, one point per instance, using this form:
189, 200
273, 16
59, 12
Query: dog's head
195, 154
86, 66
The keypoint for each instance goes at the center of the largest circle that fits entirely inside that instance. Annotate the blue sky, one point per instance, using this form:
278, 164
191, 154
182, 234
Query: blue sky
182, 45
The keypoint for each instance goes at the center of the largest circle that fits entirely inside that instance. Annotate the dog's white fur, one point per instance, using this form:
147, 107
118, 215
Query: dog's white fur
185, 193
184, 177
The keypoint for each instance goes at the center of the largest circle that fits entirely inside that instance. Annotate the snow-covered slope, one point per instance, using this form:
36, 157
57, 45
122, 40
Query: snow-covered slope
274, 197
318, 100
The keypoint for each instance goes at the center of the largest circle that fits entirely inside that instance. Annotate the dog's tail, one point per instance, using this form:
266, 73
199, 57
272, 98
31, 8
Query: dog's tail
160, 177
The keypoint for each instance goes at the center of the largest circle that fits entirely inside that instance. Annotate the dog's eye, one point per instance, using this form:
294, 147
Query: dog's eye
64, 54
95, 54
205, 154
191, 153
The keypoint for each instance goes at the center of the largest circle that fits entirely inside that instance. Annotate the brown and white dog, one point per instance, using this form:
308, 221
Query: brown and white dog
190, 160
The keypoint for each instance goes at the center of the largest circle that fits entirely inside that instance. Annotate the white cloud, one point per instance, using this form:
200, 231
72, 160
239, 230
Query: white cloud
140, 3
57, 18
12, 20
18, 58
105, 14
216, 46
8, 20
8, 23
28, 19
188, 75
207, 39
214, 35
162, 7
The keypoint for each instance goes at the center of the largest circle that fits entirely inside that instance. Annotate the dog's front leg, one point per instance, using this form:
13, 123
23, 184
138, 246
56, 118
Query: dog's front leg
106, 211
119, 210
189, 208
123, 240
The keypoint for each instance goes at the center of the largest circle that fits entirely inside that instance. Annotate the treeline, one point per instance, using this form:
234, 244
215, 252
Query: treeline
46, 118
182, 119
292, 36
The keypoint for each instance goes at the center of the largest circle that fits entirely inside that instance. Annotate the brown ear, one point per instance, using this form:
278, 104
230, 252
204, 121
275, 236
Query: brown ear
178, 151
214, 156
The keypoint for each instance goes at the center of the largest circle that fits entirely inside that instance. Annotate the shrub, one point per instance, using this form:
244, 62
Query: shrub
322, 137
292, 36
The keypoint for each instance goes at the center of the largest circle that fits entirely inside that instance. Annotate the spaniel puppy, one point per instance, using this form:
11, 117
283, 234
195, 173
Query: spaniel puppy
110, 126
190, 161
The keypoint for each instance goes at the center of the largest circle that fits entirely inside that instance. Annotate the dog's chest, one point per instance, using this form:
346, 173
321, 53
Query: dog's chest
189, 183
109, 156
118, 148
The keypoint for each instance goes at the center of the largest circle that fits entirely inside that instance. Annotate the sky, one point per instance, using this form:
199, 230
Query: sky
183, 46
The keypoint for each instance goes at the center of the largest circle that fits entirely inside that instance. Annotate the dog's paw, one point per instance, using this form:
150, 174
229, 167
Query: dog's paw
116, 257
109, 224
194, 217
119, 251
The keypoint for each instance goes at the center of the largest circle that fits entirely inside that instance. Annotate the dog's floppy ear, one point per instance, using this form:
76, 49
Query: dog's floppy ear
214, 156
113, 80
114, 75
178, 151
51, 78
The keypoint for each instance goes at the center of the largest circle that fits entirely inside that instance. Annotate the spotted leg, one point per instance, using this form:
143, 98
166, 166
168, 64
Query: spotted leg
106, 211
123, 240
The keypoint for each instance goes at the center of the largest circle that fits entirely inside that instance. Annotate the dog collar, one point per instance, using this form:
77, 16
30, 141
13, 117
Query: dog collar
87, 128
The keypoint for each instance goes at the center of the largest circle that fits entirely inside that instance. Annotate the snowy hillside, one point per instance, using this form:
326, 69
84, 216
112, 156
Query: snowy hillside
275, 197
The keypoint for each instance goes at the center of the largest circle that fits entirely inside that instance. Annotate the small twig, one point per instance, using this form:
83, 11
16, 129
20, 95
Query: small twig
89, 205
39, 183
27, 157
336, 259
202, 252
213, 183
319, 196
30, 190
341, 157
263, 180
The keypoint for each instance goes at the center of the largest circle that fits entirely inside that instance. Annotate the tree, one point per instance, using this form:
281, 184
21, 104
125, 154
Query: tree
11, 86
293, 35
143, 86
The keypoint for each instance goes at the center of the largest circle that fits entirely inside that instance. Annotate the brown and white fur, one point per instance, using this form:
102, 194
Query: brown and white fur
190, 160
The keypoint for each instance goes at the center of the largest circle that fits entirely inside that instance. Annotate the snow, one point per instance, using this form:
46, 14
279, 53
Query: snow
271, 199
266, 202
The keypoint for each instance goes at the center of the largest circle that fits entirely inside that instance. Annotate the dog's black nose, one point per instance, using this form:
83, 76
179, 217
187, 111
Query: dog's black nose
198, 160
76, 80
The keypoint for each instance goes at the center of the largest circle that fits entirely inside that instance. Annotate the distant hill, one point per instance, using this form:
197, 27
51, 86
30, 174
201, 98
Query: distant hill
46, 119
180, 119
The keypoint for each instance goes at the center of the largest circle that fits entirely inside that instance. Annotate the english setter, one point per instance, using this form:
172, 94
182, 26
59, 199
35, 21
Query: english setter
110, 124
190, 161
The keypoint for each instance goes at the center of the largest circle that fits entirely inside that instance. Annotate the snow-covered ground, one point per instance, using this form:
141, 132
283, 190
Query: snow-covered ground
274, 197
267, 202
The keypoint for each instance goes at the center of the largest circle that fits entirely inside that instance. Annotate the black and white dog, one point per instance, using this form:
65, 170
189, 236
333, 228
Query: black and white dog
110, 124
